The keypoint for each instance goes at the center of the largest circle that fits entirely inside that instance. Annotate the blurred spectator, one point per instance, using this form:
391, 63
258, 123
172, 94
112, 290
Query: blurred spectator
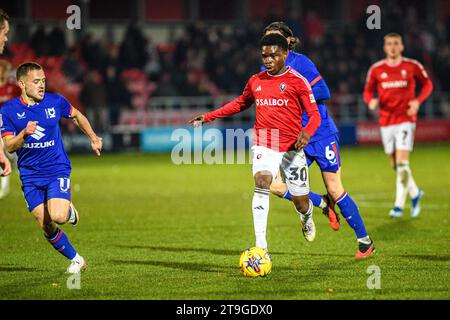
93, 53
442, 68
314, 27
8, 87
192, 88
153, 65
133, 52
93, 98
165, 86
57, 41
71, 66
448, 29
118, 97
40, 42
216, 60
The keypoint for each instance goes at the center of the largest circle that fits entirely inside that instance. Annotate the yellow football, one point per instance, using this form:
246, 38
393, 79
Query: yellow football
255, 262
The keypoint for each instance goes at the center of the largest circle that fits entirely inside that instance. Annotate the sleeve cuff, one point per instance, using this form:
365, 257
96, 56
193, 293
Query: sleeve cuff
4, 134
207, 117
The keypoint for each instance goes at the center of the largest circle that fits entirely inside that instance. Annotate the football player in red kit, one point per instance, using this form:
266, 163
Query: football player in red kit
5, 165
8, 91
280, 95
394, 78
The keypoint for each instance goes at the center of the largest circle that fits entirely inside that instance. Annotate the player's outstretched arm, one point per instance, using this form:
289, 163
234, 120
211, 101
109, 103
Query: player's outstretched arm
83, 123
241, 103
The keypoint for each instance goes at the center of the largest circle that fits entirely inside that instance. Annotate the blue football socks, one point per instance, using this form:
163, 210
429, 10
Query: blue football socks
314, 197
61, 243
287, 195
350, 212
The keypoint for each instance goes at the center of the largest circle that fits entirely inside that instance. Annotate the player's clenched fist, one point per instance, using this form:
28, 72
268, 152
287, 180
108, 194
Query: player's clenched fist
413, 107
30, 128
302, 140
373, 104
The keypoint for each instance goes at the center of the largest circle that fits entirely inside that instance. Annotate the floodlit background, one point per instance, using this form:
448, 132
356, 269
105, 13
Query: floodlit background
150, 229
145, 64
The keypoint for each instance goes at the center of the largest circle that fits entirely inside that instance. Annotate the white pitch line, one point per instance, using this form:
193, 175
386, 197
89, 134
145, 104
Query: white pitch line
376, 204
371, 196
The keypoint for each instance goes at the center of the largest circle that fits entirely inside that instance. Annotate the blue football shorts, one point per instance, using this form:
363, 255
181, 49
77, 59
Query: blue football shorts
40, 191
325, 152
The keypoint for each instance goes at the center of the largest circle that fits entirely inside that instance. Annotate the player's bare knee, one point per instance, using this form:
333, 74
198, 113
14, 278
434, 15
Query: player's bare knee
335, 191
60, 217
301, 204
262, 184
263, 181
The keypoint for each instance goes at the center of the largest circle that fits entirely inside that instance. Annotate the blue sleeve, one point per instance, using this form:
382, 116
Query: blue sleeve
321, 91
66, 107
307, 68
263, 68
6, 125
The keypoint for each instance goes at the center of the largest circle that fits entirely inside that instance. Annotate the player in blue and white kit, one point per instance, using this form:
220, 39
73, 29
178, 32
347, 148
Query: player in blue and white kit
31, 129
324, 149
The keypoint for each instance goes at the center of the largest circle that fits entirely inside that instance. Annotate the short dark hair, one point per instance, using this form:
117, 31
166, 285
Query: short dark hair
3, 17
284, 29
26, 67
274, 39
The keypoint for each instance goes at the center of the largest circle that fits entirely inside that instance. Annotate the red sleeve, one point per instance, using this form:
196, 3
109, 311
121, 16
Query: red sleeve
310, 106
427, 86
244, 101
369, 87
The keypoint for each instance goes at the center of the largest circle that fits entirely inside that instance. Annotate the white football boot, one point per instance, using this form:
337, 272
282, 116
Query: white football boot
77, 266
308, 227
74, 218
396, 213
415, 209
4, 190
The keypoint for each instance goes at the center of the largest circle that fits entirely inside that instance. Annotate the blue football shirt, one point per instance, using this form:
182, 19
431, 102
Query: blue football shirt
306, 67
43, 153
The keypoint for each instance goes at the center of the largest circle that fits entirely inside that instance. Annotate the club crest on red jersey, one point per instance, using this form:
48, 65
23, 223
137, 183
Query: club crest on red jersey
282, 86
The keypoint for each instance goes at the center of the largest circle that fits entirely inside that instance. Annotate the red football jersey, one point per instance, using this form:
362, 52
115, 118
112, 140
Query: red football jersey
396, 86
8, 92
280, 101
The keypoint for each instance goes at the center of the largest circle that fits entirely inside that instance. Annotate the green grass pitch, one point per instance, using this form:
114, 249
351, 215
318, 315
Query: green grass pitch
153, 230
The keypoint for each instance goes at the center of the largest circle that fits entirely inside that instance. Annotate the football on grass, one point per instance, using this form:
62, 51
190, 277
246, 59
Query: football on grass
255, 262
